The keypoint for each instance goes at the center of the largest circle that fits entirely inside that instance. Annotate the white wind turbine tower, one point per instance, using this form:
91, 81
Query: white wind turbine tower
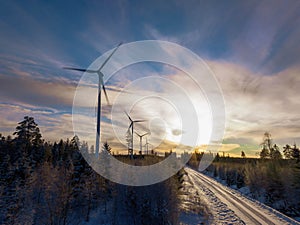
100, 83
147, 146
141, 140
130, 148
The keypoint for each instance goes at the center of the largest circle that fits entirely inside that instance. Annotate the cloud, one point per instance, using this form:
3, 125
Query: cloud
52, 123
252, 47
105, 26
262, 103
148, 97
257, 35
253, 100
253, 103
268, 41
54, 93
153, 33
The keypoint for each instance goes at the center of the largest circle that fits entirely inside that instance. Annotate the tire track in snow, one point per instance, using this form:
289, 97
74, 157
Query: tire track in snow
249, 212
219, 211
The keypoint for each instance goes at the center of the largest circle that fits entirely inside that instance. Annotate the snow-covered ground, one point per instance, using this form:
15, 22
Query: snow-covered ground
192, 208
228, 206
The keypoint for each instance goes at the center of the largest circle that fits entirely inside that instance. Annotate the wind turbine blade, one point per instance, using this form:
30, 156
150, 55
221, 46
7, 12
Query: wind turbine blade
144, 134
117, 90
81, 70
109, 56
104, 90
103, 87
128, 117
137, 134
139, 121
128, 130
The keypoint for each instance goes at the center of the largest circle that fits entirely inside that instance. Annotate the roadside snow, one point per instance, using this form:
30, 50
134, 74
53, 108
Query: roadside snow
224, 201
218, 212
259, 200
191, 205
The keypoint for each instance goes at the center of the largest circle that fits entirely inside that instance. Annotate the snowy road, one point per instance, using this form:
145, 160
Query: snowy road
230, 207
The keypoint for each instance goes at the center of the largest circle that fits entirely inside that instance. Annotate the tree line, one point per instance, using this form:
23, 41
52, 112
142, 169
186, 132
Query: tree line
272, 151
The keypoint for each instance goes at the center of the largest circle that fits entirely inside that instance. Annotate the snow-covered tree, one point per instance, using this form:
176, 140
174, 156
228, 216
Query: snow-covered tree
287, 151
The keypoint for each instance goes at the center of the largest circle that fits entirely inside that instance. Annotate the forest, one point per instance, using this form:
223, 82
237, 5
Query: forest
44, 182
51, 183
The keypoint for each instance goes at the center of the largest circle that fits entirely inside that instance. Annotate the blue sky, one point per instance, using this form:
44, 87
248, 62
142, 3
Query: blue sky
252, 47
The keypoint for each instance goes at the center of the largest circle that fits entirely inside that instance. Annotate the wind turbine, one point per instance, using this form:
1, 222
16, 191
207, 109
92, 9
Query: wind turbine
141, 139
130, 148
147, 145
100, 83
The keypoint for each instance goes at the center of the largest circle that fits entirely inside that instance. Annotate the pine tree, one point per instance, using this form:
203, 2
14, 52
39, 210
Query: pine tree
295, 152
275, 152
266, 146
243, 155
75, 142
269, 150
106, 147
29, 142
264, 153
28, 132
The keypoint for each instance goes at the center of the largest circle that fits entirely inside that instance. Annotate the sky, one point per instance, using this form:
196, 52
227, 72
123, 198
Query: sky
251, 47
